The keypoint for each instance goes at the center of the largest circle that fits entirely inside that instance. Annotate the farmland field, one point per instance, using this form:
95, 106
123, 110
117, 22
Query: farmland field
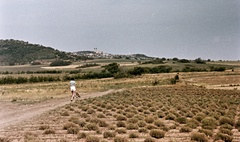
202, 106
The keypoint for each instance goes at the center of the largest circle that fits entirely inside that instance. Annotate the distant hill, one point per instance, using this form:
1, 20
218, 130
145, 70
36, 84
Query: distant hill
13, 52
17, 52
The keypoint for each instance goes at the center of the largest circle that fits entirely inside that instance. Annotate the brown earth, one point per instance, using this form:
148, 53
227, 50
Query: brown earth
14, 113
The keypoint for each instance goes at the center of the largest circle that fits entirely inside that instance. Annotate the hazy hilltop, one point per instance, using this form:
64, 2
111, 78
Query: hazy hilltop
18, 52
14, 52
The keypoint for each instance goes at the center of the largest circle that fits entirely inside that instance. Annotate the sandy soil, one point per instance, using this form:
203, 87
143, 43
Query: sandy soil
14, 113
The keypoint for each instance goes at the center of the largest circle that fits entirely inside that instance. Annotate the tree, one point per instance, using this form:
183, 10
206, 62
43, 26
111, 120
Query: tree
175, 59
200, 61
112, 68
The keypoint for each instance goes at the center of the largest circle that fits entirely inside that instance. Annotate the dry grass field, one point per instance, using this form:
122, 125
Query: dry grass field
200, 107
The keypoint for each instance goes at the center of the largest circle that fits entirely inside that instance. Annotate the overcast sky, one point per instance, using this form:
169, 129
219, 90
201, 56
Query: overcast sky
209, 29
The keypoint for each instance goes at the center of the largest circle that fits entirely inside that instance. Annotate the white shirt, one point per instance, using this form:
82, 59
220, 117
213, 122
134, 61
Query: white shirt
72, 83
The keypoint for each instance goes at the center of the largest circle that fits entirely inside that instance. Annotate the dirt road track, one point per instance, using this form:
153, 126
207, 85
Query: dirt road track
13, 113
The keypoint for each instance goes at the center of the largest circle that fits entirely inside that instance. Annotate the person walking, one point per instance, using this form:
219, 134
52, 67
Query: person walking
73, 88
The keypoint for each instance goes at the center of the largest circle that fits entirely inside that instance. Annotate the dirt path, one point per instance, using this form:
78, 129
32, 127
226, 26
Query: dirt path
13, 113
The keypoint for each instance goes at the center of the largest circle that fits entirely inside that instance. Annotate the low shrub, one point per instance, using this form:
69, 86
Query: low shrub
92, 139
81, 135
132, 126
181, 120
73, 130
160, 114
82, 123
74, 120
158, 123
192, 123
120, 139
101, 115
132, 120
142, 123
43, 127
226, 120
121, 124
170, 116
226, 126
102, 123
29, 136
133, 135
143, 130
69, 125
109, 134
91, 111
92, 126
49, 131
157, 133
65, 113
148, 139
3, 139
185, 129
224, 137
199, 137
121, 118
206, 132
237, 125
151, 126
121, 131
209, 123
226, 131
129, 114
149, 119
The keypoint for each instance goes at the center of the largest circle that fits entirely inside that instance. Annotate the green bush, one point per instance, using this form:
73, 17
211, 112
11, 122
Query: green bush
212, 68
112, 68
184, 61
200, 61
137, 71
60, 63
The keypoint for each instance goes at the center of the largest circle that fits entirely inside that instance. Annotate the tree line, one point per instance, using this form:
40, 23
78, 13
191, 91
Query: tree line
110, 70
